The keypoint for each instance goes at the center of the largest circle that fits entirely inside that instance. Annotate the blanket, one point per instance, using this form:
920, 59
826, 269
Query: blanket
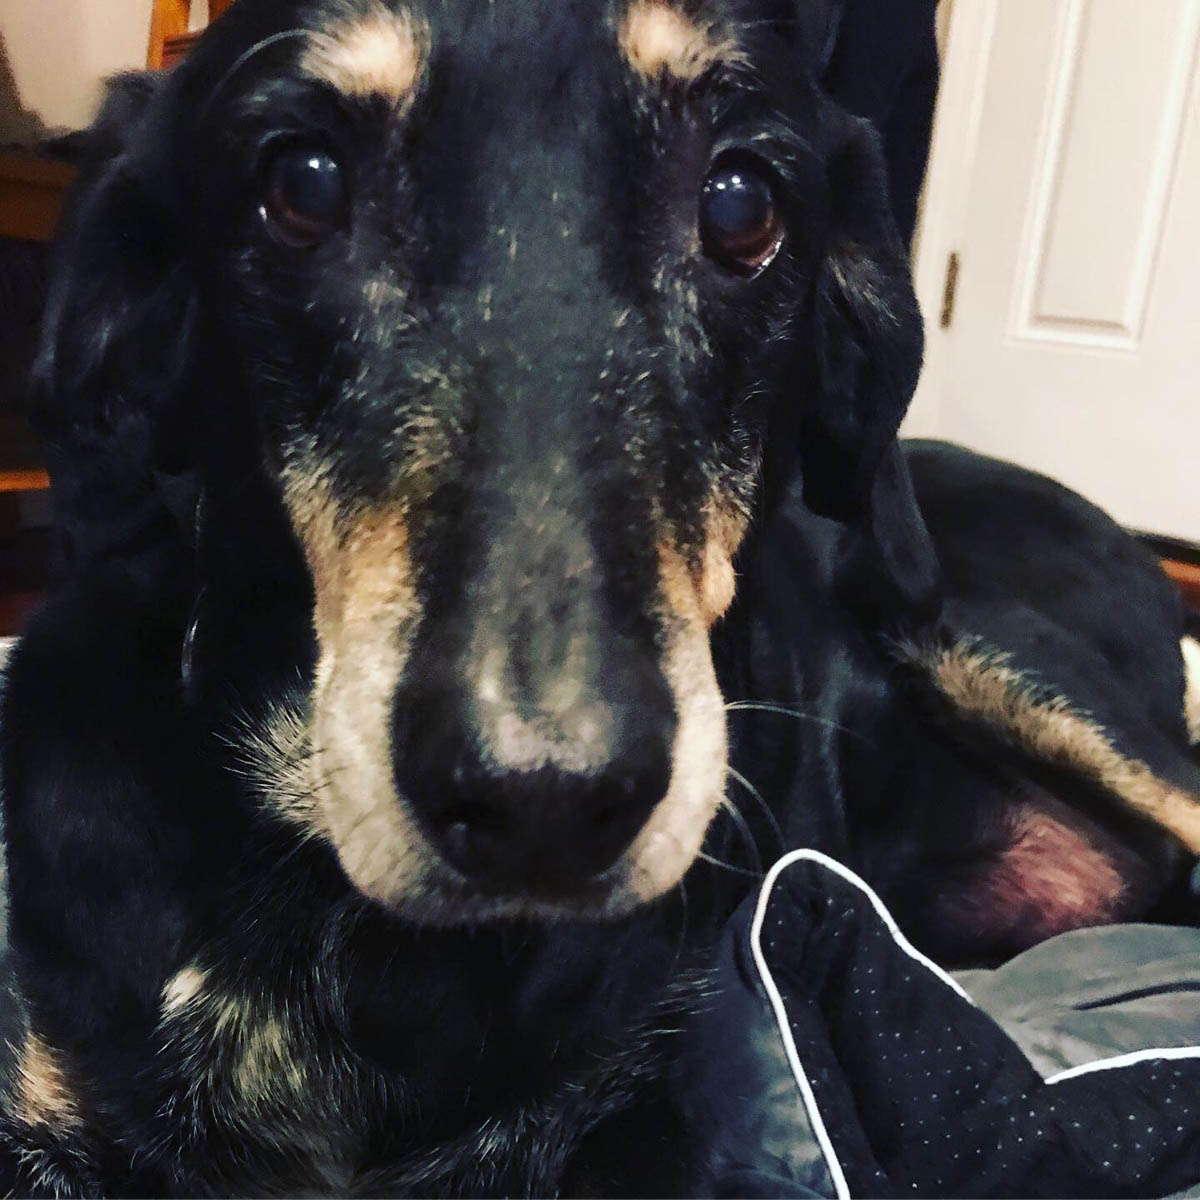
842, 1062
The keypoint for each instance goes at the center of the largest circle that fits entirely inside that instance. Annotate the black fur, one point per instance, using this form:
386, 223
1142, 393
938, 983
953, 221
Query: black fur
516, 322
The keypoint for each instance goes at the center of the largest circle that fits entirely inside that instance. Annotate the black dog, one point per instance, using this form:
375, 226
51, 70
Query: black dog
419, 380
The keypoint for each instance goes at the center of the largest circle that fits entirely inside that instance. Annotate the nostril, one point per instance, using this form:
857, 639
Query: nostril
472, 838
605, 829
606, 817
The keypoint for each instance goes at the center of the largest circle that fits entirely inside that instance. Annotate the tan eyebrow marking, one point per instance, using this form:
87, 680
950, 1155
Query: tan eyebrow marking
380, 53
658, 39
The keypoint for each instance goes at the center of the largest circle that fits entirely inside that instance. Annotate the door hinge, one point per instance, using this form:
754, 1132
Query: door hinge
949, 290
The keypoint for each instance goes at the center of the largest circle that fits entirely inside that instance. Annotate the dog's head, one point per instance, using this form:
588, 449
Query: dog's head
510, 306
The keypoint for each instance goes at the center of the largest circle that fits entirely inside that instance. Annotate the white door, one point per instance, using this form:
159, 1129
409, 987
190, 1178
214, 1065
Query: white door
1066, 178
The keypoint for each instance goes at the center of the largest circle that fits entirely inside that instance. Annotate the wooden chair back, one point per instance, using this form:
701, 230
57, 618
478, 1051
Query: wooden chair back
170, 39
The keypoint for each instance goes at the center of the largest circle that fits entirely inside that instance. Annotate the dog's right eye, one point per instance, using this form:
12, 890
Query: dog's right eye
304, 196
740, 225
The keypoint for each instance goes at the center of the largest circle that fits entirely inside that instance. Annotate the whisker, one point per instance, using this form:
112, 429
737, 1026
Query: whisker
716, 862
744, 829
735, 774
683, 924
784, 711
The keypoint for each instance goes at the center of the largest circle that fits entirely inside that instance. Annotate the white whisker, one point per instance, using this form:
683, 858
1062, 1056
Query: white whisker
744, 829
762, 803
784, 711
716, 862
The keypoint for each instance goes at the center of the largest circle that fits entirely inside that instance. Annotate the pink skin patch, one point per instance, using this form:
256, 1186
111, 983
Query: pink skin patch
1059, 872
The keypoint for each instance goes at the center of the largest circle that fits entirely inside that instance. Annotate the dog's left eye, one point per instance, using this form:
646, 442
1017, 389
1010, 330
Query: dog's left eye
740, 225
304, 199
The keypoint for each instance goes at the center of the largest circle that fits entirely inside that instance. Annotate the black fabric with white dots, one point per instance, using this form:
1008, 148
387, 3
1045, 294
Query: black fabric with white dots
921, 1093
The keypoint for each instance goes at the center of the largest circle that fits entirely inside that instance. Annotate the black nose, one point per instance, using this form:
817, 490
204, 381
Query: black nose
550, 823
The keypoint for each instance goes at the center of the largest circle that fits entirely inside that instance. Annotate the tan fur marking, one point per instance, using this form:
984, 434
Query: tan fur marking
360, 562
268, 1066
693, 599
681, 588
725, 528
250, 1050
315, 519
668, 844
705, 591
380, 53
182, 989
229, 1014
982, 685
250, 1068
43, 1094
659, 39
1191, 690
365, 606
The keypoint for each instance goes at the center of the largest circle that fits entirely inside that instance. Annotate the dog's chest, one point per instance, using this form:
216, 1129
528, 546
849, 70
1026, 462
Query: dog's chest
280, 1099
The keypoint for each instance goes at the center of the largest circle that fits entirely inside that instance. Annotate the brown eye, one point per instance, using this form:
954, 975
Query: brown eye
740, 227
304, 198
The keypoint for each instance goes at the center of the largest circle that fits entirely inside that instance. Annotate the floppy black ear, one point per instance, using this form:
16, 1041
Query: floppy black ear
868, 335
868, 341
113, 365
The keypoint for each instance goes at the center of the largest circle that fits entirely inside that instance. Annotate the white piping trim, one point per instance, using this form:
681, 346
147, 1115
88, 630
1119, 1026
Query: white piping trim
880, 908
810, 1103
832, 1165
781, 1017
1125, 1060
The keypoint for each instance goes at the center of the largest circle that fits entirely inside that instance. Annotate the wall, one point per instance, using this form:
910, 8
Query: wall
54, 55
943, 25
1066, 176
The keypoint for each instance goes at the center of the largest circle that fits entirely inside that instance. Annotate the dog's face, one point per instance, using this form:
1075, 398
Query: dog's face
517, 289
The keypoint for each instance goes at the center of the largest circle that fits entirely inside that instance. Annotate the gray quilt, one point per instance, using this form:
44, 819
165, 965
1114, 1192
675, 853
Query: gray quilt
1096, 993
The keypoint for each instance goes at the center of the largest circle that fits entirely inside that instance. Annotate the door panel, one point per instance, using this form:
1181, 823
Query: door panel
1075, 340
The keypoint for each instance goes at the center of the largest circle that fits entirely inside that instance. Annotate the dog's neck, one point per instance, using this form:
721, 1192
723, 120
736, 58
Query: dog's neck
425, 1049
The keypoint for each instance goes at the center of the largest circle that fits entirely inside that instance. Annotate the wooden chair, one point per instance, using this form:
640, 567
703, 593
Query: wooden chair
170, 39
32, 188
